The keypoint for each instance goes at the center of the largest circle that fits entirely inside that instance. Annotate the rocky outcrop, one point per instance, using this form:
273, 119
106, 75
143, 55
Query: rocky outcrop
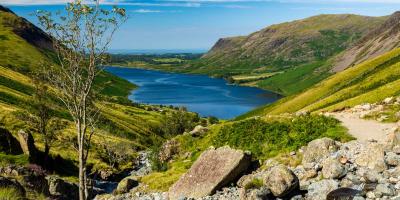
317, 151
168, 150
27, 144
198, 131
8, 143
126, 184
212, 170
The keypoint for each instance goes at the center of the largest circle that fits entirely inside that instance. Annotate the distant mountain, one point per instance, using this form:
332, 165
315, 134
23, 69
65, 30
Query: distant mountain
287, 45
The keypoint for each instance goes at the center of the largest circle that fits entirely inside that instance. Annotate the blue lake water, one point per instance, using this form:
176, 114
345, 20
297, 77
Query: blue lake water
198, 93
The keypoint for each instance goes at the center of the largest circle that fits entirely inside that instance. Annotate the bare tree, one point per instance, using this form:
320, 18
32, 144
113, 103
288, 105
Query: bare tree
82, 34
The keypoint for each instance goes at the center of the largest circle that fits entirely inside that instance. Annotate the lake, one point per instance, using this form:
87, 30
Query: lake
198, 93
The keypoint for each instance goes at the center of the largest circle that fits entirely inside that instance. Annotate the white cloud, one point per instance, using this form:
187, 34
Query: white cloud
146, 11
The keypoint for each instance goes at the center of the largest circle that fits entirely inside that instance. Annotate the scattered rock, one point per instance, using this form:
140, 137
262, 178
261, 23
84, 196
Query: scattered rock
318, 150
343, 194
392, 159
8, 143
168, 150
333, 169
212, 170
320, 190
389, 100
372, 157
281, 181
385, 189
254, 194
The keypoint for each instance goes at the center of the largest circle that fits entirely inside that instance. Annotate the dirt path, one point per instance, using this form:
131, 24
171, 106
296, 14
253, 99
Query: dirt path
364, 129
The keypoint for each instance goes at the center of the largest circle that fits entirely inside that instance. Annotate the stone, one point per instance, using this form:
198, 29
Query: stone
385, 189
320, 190
199, 130
281, 181
27, 144
389, 100
343, 194
319, 149
372, 176
168, 150
8, 144
373, 157
214, 169
392, 159
61, 189
126, 184
10, 183
396, 149
333, 169
255, 194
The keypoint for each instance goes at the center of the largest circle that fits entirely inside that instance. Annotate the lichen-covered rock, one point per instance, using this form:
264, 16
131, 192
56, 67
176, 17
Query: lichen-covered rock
168, 150
319, 149
373, 157
392, 159
320, 190
212, 170
126, 184
332, 169
281, 181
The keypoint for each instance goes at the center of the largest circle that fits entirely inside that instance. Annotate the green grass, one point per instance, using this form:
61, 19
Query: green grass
10, 194
13, 159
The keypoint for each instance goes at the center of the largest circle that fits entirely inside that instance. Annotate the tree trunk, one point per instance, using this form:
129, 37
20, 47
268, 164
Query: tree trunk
46, 153
82, 179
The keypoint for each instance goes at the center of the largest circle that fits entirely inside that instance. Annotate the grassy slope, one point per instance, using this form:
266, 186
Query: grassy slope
370, 81
124, 123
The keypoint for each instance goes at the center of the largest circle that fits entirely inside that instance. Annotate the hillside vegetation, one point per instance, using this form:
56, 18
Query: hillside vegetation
370, 81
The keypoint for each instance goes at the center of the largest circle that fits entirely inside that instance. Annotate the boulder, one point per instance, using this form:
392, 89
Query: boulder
389, 100
281, 181
343, 194
8, 143
317, 150
27, 143
168, 150
126, 184
385, 189
199, 130
392, 159
261, 193
62, 189
10, 183
214, 169
332, 169
320, 190
373, 157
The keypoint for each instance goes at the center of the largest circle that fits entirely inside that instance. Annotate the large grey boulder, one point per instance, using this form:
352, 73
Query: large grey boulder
214, 169
281, 181
319, 149
320, 190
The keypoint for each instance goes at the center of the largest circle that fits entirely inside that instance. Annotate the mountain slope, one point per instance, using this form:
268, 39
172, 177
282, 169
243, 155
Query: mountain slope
288, 44
370, 81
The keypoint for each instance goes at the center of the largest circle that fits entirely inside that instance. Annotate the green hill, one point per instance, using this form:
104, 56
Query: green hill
367, 82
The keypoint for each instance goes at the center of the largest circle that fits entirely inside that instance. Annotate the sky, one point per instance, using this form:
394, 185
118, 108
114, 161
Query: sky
197, 24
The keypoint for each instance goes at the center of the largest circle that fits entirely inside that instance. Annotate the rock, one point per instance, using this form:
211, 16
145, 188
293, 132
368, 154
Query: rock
10, 183
126, 184
320, 190
168, 150
372, 157
392, 159
281, 181
8, 143
332, 169
343, 194
388, 100
385, 189
27, 144
199, 130
372, 176
254, 194
319, 149
214, 169
394, 137
62, 189
396, 149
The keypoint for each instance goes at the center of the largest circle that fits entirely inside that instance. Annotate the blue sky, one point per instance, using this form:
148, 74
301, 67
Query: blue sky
197, 24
